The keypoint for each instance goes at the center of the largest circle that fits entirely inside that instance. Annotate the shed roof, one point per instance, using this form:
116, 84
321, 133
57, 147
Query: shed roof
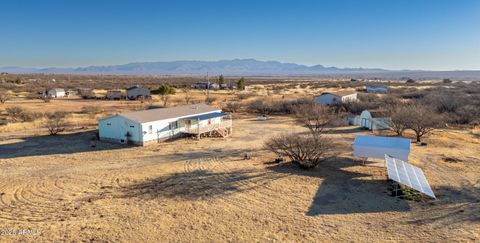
383, 142
169, 113
341, 93
58, 90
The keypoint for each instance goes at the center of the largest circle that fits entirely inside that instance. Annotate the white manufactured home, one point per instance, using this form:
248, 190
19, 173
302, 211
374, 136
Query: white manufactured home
332, 98
142, 127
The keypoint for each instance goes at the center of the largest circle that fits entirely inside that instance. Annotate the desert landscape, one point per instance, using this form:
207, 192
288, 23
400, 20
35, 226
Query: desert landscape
240, 121
61, 189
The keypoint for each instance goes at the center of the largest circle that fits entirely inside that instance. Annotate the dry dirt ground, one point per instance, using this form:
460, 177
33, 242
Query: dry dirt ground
188, 191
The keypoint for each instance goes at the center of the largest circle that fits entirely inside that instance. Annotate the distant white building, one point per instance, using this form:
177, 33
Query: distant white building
155, 125
56, 93
136, 92
377, 89
374, 120
331, 98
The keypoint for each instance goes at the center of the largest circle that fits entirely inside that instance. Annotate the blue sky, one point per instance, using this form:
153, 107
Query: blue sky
402, 34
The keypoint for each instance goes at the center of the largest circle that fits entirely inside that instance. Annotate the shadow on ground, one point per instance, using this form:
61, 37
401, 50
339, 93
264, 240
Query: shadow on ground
344, 190
454, 205
199, 184
51, 145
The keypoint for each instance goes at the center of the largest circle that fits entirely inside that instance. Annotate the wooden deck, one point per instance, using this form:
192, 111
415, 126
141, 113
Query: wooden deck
223, 129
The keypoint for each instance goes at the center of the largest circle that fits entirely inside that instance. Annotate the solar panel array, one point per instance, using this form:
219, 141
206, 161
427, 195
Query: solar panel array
408, 175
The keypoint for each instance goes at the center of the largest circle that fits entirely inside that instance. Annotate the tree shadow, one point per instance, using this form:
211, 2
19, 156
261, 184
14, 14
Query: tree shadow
51, 145
346, 130
454, 205
345, 190
199, 154
198, 184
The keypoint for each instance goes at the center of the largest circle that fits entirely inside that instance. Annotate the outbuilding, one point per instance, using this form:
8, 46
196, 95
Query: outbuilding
136, 92
332, 98
56, 93
114, 95
377, 147
377, 89
374, 120
142, 127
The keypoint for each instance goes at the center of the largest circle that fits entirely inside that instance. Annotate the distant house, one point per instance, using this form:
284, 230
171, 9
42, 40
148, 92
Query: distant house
155, 125
56, 93
136, 92
374, 120
206, 85
331, 98
114, 95
377, 89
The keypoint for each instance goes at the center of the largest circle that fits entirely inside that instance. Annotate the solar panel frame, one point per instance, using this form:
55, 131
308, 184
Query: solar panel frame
408, 175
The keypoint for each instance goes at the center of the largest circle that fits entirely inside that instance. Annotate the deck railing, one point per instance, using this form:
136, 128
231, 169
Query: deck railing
199, 129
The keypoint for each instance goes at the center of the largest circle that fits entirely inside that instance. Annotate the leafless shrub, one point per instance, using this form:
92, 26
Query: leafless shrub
314, 116
46, 99
260, 106
3, 96
305, 150
469, 114
55, 122
422, 120
209, 100
19, 114
232, 106
15, 112
91, 110
244, 96
187, 95
398, 120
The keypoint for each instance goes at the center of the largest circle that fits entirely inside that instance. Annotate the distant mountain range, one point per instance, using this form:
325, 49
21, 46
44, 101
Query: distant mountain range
243, 67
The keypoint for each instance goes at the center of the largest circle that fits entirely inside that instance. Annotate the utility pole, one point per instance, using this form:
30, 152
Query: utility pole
208, 87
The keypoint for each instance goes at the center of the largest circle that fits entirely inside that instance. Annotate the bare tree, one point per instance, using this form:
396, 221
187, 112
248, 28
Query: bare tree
188, 95
314, 116
398, 119
15, 113
305, 150
422, 120
232, 106
55, 122
260, 106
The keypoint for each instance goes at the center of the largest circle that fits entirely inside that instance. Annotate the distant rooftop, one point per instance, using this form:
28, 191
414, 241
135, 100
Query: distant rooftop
341, 93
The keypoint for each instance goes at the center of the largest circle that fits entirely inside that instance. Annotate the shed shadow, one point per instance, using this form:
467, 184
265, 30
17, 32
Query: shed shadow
198, 184
345, 190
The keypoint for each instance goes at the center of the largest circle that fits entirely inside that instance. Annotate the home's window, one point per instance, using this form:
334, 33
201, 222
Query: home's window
150, 129
109, 124
173, 125
132, 126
